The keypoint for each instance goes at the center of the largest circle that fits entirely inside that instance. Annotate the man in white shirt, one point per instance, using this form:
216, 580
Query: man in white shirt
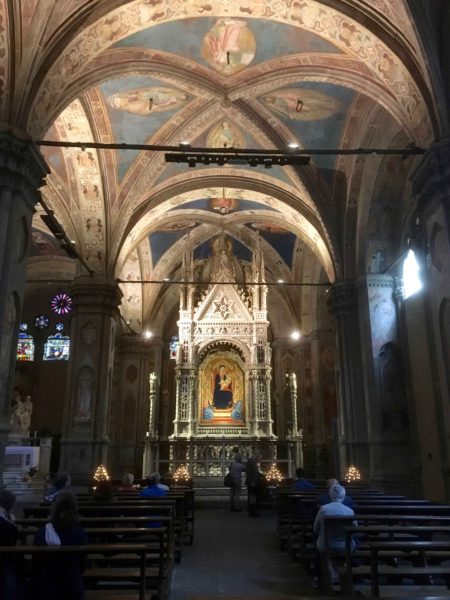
336, 537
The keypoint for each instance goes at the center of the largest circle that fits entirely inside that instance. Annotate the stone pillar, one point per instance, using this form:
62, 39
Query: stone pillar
133, 424
388, 435
343, 302
22, 172
426, 319
85, 440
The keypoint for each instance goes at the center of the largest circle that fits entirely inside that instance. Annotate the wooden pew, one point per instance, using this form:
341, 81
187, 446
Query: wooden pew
402, 549
184, 499
397, 528
368, 534
110, 527
127, 511
144, 578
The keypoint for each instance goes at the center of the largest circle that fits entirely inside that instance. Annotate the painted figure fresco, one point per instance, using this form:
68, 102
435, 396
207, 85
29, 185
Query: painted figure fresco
225, 135
222, 392
302, 104
145, 101
229, 47
223, 389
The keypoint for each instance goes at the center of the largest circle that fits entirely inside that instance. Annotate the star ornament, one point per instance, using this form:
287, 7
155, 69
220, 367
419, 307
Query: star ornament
223, 307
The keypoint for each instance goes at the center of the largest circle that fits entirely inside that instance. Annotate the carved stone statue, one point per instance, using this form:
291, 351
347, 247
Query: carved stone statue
21, 415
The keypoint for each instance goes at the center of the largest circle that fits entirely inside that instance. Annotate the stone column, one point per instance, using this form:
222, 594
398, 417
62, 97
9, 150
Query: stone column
133, 424
426, 320
85, 440
343, 302
22, 172
388, 436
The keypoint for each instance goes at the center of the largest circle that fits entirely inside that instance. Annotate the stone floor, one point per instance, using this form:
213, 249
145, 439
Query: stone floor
234, 555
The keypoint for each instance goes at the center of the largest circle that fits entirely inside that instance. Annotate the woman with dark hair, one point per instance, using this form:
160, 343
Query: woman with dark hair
56, 577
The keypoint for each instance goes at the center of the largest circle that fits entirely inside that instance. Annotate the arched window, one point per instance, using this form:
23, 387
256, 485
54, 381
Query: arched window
25, 345
57, 347
411, 279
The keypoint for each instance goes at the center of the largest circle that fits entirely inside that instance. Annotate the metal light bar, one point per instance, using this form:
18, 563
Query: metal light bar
325, 284
411, 149
221, 159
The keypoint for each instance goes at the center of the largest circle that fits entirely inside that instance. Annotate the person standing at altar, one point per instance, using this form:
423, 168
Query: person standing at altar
223, 389
236, 470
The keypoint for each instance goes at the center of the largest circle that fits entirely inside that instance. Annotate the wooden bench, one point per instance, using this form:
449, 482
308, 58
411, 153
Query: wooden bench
150, 511
145, 579
402, 549
368, 534
184, 507
384, 522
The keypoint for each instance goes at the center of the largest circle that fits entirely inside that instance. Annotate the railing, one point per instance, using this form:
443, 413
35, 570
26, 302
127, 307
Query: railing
211, 458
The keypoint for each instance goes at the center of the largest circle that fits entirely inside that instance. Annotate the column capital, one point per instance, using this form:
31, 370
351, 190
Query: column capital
431, 179
93, 294
342, 297
22, 167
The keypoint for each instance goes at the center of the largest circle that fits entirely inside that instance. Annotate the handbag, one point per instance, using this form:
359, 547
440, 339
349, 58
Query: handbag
228, 480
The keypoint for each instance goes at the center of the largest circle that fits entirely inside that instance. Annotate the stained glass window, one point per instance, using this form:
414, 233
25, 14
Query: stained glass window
57, 347
61, 303
25, 345
173, 345
41, 322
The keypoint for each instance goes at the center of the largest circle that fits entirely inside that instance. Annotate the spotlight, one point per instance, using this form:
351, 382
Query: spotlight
166, 279
148, 334
280, 280
293, 146
295, 335
184, 144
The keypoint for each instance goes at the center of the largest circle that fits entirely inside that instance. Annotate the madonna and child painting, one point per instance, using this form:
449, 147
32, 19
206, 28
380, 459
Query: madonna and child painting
222, 392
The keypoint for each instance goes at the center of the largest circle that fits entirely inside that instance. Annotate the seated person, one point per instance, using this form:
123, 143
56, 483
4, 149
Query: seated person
127, 484
336, 534
56, 577
325, 497
154, 487
9, 581
301, 483
60, 484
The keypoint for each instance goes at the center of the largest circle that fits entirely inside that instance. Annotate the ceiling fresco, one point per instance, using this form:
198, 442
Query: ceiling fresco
248, 42
205, 250
316, 112
219, 74
227, 202
137, 108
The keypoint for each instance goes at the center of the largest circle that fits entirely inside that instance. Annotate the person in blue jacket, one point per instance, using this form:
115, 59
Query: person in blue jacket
301, 483
154, 487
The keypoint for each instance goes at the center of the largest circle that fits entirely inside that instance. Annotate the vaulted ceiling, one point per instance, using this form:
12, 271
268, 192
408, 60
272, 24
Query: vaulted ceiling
219, 73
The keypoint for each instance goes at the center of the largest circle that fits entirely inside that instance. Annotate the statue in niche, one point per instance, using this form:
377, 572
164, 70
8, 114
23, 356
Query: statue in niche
84, 395
21, 415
